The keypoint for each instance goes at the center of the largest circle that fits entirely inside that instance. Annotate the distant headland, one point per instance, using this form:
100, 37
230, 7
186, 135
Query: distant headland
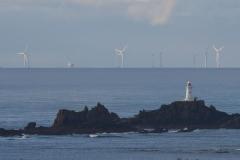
185, 116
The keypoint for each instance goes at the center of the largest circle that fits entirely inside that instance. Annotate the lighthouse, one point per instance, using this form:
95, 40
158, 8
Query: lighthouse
189, 92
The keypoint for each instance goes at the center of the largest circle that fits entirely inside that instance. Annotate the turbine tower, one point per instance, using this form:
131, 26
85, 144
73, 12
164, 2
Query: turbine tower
121, 52
161, 59
25, 56
206, 58
217, 52
194, 61
153, 62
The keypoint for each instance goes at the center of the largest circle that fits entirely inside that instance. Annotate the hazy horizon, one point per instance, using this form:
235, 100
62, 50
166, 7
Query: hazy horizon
87, 32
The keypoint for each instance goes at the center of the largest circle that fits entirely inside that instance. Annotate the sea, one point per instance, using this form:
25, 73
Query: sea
28, 95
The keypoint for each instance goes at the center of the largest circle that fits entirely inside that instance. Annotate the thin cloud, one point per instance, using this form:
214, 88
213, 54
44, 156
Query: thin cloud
157, 12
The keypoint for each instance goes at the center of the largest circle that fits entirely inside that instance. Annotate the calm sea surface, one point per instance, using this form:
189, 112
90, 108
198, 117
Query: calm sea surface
37, 94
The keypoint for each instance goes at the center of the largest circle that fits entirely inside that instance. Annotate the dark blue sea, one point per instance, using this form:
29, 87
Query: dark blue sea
37, 94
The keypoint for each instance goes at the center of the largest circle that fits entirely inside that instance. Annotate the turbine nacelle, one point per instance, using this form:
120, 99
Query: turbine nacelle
121, 51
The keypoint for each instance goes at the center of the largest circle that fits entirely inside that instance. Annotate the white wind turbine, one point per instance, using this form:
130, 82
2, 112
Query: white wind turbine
121, 52
161, 60
153, 60
206, 58
217, 52
25, 57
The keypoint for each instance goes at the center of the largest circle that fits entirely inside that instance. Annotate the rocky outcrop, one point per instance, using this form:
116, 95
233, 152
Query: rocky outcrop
31, 126
180, 115
232, 123
7, 133
98, 119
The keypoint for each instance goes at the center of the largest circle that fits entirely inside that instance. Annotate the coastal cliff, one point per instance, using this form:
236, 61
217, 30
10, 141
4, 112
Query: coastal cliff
182, 115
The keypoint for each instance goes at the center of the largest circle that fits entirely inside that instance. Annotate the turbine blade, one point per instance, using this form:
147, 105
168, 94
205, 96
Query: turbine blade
20, 53
221, 48
117, 50
215, 48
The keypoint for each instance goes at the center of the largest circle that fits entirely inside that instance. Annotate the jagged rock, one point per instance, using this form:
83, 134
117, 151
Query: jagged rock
9, 133
97, 117
30, 126
180, 115
233, 122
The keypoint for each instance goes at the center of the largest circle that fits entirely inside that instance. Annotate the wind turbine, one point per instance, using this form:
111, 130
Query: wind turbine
217, 52
121, 52
206, 58
194, 61
25, 56
161, 59
153, 62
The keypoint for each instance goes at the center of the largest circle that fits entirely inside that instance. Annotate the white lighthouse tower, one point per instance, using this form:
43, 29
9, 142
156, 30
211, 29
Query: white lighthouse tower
189, 92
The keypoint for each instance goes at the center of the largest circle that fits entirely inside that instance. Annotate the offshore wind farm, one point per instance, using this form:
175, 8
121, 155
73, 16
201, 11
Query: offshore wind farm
120, 54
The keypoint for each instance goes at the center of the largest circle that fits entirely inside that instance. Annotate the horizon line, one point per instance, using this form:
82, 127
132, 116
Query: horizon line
197, 68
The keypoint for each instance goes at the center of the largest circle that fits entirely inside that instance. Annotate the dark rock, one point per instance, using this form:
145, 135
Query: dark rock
233, 122
97, 117
180, 115
30, 126
10, 133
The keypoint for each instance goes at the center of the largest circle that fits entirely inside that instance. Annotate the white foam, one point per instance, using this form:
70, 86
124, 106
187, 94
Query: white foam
149, 129
173, 131
196, 130
24, 136
93, 135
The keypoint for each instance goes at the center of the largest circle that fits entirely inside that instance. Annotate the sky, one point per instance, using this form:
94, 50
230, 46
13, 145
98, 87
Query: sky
86, 32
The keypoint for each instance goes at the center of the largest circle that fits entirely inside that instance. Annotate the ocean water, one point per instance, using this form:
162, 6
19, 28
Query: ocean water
37, 94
